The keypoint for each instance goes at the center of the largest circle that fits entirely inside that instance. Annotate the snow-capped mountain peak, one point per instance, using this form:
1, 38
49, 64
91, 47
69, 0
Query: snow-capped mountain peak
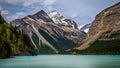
61, 20
84, 28
56, 17
79, 27
54, 13
47, 29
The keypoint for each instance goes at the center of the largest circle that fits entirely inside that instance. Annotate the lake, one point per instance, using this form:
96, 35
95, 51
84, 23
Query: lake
62, 61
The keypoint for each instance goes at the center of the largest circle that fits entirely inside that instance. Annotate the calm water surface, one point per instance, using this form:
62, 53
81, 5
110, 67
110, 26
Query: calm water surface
62, 61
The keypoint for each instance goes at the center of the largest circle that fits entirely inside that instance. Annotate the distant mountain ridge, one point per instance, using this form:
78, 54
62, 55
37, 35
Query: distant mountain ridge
50, 33
85, 27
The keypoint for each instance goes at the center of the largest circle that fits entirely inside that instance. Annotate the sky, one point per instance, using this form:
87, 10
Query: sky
81, 11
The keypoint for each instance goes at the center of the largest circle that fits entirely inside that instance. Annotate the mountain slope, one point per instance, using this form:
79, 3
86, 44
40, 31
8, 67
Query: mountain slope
50, 36
104, 33
13, 42
61, 21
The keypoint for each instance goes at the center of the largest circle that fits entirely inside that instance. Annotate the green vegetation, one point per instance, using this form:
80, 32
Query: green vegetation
108, 43
42, 48
60, 43
12, 41
102, 47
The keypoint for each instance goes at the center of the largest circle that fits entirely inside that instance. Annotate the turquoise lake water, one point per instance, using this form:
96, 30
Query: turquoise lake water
62, 61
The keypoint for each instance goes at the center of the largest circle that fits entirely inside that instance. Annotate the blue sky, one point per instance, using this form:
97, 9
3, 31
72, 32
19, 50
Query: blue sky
81, 11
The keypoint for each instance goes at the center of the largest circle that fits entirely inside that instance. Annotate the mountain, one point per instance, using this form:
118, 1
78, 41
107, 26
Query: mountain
50, 33
104, 33
61, 21
13, 42
84, 28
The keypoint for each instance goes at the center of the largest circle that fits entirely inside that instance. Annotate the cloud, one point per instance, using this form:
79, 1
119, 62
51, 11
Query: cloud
31, 2
50, 8
16, 16
74, 15
48, 2
27, 3
0, 8
24, 3
14, 2
4, 12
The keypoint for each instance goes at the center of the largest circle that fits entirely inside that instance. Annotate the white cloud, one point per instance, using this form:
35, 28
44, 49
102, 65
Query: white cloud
74, 15
0, 8
48, 2
27, 3
50, 8
16, 16
5, 12
24, 3
31, 2
15, 2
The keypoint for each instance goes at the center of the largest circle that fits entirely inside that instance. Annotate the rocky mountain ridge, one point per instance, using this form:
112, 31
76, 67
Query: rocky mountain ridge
51, 33
104, 33
61, 21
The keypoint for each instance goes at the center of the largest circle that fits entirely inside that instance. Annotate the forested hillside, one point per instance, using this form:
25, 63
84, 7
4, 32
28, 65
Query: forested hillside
13, 42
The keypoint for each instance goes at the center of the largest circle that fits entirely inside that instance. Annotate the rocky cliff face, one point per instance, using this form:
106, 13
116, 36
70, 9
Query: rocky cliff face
51, 33
104, 32
107, 20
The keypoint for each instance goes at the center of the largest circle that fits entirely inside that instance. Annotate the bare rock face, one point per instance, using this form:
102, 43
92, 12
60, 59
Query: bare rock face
50, 34
105, 27
61, 21
107, 20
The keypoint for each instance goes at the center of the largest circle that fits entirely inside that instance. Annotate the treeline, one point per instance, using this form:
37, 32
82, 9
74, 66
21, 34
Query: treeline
102, 47
12, 41
108, 43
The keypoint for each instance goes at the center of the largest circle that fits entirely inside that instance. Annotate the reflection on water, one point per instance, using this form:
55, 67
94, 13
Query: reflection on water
62, 61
